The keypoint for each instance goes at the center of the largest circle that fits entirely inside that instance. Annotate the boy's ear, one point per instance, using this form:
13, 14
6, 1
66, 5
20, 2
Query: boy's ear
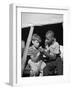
32, 42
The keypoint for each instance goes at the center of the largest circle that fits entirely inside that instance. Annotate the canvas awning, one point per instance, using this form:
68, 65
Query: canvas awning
36, 19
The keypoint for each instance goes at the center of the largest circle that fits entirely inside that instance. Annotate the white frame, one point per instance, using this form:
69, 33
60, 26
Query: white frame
15, 46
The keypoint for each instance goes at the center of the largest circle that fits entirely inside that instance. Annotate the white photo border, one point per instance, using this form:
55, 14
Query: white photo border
15, 76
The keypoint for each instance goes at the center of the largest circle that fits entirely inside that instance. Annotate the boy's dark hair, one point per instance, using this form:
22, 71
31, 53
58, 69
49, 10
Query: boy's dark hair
36, 37
50, 32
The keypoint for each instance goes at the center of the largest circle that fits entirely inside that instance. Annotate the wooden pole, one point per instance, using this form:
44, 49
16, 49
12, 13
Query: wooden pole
27, 45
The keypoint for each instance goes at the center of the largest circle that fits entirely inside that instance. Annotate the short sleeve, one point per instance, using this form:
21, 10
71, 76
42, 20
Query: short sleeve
55, 49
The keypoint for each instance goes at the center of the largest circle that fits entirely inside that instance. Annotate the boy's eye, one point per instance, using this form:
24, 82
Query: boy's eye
37, 42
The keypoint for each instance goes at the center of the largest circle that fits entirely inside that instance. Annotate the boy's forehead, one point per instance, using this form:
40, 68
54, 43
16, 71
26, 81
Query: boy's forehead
49, 35
35, 40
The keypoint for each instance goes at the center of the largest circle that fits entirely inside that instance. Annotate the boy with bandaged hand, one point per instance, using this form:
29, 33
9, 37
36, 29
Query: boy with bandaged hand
35, 62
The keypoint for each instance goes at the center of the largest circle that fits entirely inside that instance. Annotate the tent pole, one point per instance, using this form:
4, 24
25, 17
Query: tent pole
27, 45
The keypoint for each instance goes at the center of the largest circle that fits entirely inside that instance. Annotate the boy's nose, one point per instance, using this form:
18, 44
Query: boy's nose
46, 40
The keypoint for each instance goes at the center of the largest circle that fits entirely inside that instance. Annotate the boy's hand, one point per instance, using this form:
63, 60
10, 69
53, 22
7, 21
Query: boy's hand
41, 49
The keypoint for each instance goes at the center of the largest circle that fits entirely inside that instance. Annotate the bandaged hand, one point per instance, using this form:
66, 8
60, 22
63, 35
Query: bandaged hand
41, 49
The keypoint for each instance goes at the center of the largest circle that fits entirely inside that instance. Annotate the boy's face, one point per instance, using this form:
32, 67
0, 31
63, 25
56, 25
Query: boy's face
49, 38
35, 43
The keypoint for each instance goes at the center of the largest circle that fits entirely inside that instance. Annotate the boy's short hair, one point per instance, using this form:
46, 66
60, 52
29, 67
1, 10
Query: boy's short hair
50, 32
36, 37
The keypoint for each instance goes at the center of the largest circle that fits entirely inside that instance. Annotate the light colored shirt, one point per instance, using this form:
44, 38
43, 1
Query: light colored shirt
54, 48
36, 66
